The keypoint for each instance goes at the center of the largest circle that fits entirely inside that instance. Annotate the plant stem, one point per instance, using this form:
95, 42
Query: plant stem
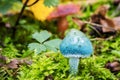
73, 62
32, 3
98, 25
18, 19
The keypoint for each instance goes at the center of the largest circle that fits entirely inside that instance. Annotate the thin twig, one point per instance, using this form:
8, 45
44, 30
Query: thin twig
94, 39
102, 39
32, 3
18, 19
96, 31
98, 25
94, 27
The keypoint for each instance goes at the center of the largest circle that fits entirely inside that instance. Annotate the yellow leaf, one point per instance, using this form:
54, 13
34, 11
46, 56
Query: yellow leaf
39, 10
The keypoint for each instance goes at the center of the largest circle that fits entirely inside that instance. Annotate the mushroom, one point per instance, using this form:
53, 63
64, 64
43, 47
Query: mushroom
60, 13
74, 46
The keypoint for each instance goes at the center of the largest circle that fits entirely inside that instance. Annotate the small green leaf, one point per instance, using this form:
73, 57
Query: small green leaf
50, 3
42, 36
51, 48
38, 48
53, 44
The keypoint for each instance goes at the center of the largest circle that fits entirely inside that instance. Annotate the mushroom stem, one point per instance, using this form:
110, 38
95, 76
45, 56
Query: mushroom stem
62, 26
73, 62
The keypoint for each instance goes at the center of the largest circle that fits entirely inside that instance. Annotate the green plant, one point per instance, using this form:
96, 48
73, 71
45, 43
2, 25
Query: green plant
44, 65
55, 65
10, 51
43, 44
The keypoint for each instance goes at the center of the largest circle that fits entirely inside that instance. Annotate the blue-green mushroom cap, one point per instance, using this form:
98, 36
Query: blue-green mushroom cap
76, 44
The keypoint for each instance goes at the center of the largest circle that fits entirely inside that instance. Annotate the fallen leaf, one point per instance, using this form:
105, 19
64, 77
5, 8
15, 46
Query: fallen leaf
102, 10
113, 66
80, 23
13, 64
99, 17
108, 25
116, 21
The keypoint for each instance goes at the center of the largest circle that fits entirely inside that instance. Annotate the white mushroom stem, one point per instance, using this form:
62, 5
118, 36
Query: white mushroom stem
73, 62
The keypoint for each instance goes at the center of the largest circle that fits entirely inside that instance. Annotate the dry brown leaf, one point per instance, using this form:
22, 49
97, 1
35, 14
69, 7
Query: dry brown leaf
113, 66
108, 25
111, 24
99, 17
102, 10
13, 64
116, 21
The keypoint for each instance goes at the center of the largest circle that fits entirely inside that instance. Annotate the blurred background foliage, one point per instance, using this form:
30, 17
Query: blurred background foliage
16, 33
